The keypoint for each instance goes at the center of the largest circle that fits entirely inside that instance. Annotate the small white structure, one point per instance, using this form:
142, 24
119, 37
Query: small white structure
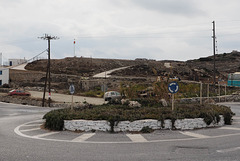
4, 76
15, 62
167, 65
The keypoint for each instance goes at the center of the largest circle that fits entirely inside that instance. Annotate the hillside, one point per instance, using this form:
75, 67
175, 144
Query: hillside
198, 69
79, 66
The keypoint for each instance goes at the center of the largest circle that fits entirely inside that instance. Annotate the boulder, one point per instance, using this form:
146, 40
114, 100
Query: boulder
134, 104
164, 102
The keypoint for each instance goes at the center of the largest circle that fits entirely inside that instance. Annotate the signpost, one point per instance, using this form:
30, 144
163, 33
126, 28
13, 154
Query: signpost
104, 88
173, 88
72, 90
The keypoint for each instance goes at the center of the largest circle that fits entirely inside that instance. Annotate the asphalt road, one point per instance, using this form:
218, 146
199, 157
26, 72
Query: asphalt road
21, 139
68, 98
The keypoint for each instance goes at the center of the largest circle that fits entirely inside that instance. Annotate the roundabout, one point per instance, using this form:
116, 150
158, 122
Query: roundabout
23, 139
33, 130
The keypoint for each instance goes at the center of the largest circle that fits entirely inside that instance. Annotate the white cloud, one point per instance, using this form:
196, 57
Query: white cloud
155, 29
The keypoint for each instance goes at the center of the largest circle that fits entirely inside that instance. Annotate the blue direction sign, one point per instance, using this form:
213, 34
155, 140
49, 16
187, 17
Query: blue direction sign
72, 89
173, 87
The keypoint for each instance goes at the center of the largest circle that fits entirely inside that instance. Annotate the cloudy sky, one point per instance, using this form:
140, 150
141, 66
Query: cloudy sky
122, 29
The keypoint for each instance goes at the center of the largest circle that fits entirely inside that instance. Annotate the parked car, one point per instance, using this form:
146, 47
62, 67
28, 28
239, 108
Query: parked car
17, 92
112, 96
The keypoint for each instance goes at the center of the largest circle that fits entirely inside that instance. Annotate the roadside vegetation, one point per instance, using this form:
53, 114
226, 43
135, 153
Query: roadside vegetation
115, 113
159, 90
96, 92
150, 99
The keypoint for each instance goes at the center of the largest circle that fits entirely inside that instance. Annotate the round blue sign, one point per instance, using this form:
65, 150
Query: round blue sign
72, 89
173, 87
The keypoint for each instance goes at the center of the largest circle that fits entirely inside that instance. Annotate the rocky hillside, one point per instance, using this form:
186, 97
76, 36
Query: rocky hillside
199, 69
79, 66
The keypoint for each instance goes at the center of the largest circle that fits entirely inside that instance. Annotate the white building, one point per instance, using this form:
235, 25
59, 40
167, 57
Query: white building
4, 76
14, 62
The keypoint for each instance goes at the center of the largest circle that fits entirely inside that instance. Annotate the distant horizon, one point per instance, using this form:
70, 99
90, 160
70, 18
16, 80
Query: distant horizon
155, 29
27, 59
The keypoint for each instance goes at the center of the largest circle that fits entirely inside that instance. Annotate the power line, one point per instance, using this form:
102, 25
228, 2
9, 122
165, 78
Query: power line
48, 76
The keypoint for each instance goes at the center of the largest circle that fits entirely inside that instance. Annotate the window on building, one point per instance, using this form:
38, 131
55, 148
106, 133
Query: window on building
0, 82
0, 72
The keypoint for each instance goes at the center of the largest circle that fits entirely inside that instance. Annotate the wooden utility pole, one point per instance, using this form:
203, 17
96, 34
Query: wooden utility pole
214, 53
48, 76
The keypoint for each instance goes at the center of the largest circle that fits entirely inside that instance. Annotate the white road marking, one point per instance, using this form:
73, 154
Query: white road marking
228, 150
19, 132
33, 125
34, 129
83, 137
136, 137
13, 114
236, 118
46, 134
195, 135
229, 128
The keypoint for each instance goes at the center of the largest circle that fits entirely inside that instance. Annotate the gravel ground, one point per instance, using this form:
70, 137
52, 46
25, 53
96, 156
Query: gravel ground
68, 98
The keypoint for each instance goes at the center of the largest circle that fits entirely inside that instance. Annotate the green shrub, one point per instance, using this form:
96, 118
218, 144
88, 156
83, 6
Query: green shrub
93, 93
55, 119
227, 118
115, 113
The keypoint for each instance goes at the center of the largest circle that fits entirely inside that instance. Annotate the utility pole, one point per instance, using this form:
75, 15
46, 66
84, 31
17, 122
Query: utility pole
48, 76
214, 53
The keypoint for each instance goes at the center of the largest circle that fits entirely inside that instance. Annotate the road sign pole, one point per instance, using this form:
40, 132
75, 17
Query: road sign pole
72, 90
172, 102
173, 88
72, 103
201, 86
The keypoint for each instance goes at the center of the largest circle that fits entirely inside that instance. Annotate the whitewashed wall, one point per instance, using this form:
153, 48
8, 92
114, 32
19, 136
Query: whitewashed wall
184, 124
5, 75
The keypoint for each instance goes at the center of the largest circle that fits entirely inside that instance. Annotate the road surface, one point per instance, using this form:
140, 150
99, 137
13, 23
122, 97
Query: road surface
22, 139
68, 98
19, 67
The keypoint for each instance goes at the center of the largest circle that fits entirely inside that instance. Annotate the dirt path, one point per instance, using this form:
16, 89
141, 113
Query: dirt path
68, 98
108, 73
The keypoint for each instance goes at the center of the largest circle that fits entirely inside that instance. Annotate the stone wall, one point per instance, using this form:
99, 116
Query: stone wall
183, 124
227, 98
24, 100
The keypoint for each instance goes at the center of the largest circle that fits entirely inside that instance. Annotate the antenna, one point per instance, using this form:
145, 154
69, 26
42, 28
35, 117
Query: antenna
214, 53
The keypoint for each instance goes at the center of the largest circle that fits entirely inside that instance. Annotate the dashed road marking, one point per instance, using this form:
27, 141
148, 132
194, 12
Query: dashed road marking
33, 129
33, 125
46, 134
195, 135
228, 150
229, 128
136, 137
83, 137
13, 114
236, 118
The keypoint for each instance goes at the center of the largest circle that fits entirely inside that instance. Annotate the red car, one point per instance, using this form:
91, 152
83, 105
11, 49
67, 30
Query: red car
17, 92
